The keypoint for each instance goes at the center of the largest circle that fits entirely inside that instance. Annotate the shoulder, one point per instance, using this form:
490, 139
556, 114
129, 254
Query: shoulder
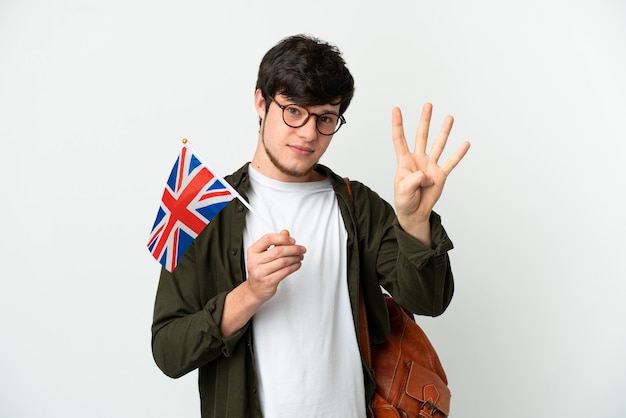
239, 178
366, 200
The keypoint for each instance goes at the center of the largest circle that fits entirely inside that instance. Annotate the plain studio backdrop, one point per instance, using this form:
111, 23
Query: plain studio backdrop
95, 98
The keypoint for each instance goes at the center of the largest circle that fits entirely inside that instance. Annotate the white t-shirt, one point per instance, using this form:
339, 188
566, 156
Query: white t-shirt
307, 354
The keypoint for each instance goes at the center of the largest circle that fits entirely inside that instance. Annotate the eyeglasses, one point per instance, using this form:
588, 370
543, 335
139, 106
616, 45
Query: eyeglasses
296, 116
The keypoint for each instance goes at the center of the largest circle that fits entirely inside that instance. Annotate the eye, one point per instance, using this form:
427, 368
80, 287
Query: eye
328, 118
294, 110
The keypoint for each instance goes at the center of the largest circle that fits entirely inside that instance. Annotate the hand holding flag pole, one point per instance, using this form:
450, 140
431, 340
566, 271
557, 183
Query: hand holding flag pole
194, 194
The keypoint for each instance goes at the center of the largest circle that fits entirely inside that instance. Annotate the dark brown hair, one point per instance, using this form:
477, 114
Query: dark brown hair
308, 71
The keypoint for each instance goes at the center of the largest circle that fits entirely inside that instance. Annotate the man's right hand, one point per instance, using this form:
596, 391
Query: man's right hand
270, 260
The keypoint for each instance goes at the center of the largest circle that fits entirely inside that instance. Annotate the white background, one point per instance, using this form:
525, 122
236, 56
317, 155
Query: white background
94, 100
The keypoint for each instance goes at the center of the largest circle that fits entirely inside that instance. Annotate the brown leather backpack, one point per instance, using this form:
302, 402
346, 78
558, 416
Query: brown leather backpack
410, 380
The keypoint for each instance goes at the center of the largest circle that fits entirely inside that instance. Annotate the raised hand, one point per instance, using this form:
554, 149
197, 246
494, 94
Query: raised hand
419, 179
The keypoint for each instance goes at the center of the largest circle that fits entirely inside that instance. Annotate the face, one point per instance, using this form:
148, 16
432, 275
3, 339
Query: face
284, 153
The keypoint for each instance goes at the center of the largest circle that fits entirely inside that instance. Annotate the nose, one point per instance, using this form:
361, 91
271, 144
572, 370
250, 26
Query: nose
308, 131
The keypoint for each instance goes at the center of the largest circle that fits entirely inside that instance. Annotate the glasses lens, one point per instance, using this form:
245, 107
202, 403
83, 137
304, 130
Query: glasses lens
328, 123
295, 116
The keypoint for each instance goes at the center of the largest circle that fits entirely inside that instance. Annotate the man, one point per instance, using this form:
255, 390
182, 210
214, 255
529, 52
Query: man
265, 304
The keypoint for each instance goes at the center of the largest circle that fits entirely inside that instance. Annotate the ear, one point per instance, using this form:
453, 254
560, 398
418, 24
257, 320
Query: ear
259, 103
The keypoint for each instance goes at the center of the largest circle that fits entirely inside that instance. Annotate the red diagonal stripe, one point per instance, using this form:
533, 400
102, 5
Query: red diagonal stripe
178, 207
155, 235
215, 194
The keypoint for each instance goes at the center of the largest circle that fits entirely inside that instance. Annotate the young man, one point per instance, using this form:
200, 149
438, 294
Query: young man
265, 305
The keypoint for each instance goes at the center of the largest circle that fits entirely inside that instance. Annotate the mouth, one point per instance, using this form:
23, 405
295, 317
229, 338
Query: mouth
301, 150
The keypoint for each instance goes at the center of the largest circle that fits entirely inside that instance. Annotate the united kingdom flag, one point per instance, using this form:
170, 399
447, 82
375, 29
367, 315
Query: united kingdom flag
191, 199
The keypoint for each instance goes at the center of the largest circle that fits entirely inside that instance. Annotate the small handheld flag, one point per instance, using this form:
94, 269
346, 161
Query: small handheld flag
193, 196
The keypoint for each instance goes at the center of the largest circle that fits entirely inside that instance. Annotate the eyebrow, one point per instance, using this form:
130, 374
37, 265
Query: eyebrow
288, 101
323, 111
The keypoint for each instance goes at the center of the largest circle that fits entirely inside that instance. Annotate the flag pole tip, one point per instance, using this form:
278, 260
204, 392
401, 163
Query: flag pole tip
184, 140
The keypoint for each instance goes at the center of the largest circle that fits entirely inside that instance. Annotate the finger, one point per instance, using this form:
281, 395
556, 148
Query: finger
264, 281
278, 268
421, 136
397, 133
274, 260
283, 273
413, 182
269, 240
280, 251
268, 259
455, 158
442, 138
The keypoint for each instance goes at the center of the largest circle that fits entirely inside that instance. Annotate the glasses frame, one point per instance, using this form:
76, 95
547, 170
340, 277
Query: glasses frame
342, 120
